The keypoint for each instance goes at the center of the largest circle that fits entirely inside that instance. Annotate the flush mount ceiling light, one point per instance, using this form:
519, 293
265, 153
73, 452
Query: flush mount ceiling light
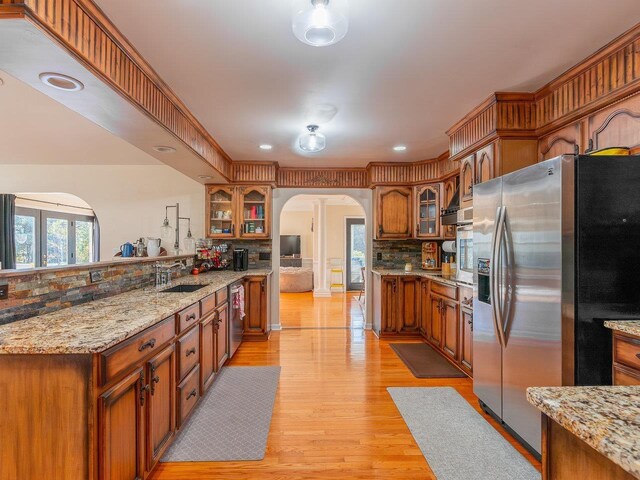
313, 141
266, 146
61, 82
320, 23
400, 148
164, 149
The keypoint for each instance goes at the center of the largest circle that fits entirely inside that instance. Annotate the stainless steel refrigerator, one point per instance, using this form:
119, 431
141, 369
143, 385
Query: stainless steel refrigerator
556, 250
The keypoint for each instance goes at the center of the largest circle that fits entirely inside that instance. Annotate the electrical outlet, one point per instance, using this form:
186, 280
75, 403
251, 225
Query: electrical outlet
4, 292
379, 256
96, 276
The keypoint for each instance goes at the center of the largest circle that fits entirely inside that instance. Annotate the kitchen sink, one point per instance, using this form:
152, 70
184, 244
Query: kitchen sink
186, 288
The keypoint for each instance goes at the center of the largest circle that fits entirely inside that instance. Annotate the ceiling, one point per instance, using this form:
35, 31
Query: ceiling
53, 125
406, 71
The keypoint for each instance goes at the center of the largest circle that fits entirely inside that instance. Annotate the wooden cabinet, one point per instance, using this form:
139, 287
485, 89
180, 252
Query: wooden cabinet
484, 164
467, 179
393, 213
389, 309
434, 335
160, 414
408, 313
466, 330
615, 126
238, 211
222, 336
121, 428
626, 359
425, 308
563, 141
207, 352
256, 296
450, 328
427, 198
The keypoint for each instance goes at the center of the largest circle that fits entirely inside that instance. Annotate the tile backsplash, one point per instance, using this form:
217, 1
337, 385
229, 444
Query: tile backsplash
259, 251
396, 253
42, 291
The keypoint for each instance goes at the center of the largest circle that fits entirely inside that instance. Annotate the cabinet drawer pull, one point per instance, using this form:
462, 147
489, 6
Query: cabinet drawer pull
638, 355
191, 351
150, 344
191, 317
192, 393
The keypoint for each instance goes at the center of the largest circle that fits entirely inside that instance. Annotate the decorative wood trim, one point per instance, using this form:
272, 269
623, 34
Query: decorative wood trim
325, 178
608, 75
83, 29
255, 172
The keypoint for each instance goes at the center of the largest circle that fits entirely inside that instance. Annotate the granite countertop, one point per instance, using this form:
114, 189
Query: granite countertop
97, 325
437, 276
632, 327
606, 418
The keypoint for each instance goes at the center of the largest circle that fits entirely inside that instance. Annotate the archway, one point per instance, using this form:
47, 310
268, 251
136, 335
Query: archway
364, 197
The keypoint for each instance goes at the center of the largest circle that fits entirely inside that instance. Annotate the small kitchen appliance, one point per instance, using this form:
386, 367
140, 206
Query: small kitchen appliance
240, 259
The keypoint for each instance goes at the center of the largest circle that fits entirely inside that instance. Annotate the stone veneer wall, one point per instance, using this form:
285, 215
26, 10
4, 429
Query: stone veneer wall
41, 291
257, 248
396, 253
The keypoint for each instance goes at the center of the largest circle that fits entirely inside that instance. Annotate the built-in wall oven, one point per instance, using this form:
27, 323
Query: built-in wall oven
464, 246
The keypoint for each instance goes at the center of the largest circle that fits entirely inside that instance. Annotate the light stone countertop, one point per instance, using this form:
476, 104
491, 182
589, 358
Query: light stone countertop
606, 418
632, 327
433, 275
100, 324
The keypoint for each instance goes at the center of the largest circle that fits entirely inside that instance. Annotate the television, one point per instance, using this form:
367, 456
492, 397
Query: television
289, 245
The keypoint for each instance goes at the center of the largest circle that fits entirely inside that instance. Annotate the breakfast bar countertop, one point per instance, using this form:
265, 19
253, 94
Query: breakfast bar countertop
607, 418
438, 277
632, 327
97, 325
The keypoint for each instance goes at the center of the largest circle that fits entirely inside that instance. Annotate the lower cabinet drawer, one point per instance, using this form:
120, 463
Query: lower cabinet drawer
626, 350
625, 376
188, 352
188, 394
444, 290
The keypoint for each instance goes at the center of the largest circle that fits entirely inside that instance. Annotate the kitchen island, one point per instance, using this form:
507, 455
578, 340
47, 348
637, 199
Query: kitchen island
589, 432
99, 390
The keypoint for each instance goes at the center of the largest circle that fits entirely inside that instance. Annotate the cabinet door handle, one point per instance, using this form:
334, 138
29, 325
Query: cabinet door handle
233, 229
262, 285
150, 344
191, 351
417, 228
380, 230
192, 393
638, 355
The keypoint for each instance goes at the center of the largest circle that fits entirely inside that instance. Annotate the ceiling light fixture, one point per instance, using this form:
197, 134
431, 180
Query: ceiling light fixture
266, 146
164, 149
61, 82
205, 177
400, 148
313, 141
320, 23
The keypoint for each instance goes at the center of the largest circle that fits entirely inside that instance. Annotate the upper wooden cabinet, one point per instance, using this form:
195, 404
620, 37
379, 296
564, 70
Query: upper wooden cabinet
467, 178
427, 211
238, 211
615, 126
449, 187
563, 141
484, 163
394, 219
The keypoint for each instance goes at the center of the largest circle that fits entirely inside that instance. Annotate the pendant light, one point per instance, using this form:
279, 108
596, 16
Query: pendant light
320, 23
313, 141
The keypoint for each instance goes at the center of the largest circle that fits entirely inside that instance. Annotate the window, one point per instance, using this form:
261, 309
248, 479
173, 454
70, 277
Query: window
53, 239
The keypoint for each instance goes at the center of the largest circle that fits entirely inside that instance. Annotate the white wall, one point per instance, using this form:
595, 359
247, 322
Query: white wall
294, 222
129, 201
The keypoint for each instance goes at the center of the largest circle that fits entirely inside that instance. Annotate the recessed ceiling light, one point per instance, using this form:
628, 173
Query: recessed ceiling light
61, 82
400, 148
164, 149
266, 146
205, 177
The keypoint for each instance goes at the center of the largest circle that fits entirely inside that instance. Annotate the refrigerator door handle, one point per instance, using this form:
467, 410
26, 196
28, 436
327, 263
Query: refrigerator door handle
508, 284
494, 294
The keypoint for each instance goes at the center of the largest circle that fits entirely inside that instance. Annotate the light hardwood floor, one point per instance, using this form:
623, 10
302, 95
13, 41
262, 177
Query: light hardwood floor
333, 418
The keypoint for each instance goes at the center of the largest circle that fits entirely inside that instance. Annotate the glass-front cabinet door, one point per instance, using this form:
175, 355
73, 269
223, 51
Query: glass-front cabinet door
221, 213
428, 211
254, 211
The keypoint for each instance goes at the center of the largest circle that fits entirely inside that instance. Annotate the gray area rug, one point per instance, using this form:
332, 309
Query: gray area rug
232, 421
456, 441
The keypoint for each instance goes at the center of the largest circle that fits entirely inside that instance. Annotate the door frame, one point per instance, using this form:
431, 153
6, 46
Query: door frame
348, 220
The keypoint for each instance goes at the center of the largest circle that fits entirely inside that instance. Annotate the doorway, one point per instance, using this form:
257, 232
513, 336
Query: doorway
355, 254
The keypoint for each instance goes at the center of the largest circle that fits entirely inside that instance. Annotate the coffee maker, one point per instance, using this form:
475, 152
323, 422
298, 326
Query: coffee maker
240, 259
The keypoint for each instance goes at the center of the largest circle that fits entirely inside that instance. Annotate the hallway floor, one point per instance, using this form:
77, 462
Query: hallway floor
333, 418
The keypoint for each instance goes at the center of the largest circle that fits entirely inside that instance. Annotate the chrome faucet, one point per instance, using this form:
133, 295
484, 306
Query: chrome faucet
163, 272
